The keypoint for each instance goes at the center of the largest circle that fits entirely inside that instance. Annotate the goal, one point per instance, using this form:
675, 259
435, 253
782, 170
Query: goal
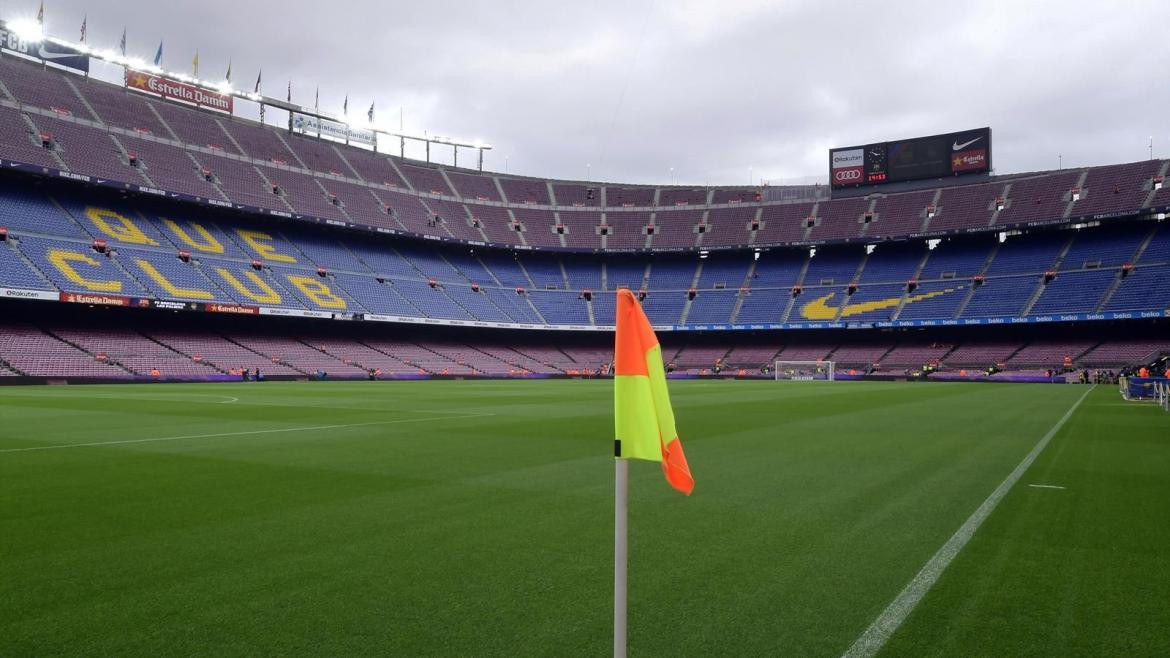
805, 370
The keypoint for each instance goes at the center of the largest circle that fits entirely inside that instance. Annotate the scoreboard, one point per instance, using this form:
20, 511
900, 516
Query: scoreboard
951, 154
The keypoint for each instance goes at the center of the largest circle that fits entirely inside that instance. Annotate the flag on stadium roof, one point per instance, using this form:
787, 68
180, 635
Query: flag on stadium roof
370, 113
84, 21
158, 54
289, 98
345, 106
259, 74
228, 75
122, 43
643, 418
195, 65
41, 14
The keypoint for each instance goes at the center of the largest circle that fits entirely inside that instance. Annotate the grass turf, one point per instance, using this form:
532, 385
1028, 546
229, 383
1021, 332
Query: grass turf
412, 522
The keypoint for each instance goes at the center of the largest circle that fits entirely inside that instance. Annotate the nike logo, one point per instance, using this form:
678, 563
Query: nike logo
959, 147
45, 54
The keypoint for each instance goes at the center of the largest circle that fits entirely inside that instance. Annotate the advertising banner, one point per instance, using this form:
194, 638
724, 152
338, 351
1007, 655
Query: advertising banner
846, 166
95, 299
53, 53
150, 83
41, 295
317, 127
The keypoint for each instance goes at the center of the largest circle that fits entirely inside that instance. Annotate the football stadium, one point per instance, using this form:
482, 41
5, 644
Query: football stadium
276, 380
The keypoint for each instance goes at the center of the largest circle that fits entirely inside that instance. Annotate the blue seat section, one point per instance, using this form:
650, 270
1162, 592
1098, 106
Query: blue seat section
561, 307
94, 218
180, 276
726, 271
386, 261
892, 263
243, 274
713, 306
279, 249
668, 273
380, 298
962, 259
470, 268
584, 272
762, 305
1022, 254
25, 210
884, 299
665, 307
1146, 288
603, 309
506, 269
514, 305
545, 272
1003, 296
94, 272
778, 269
219, 246
432, 264
1074, 292
434, 302
327, 252
15, 273
621, 272
477, 303
1109, 246
329, 294
941, 306
832, 267
1158, 251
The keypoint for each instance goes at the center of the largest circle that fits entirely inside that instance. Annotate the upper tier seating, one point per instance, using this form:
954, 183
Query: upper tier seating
177, 142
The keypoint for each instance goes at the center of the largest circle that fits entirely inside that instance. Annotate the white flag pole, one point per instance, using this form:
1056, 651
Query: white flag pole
620, 553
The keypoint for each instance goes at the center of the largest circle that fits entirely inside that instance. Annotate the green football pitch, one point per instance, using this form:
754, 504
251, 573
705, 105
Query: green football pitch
467, 518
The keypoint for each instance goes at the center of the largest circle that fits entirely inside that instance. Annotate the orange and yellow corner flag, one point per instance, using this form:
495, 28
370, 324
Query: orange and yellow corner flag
643, 419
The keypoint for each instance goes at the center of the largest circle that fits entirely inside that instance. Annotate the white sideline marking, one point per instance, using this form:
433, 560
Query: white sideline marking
229, 400
222, 434
874, 637
1046, 486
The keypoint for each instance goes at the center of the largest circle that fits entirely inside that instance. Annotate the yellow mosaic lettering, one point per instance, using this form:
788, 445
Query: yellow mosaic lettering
317, 291
117, 227
172, 289
62, 259
265, 295
260, 243
209, 245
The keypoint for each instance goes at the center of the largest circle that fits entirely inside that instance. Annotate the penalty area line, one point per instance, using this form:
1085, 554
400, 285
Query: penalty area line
882, 628
1045, 486
279, 430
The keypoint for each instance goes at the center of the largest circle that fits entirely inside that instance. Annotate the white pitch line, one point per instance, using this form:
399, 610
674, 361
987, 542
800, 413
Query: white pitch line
882, 628
1045, 486
223, 434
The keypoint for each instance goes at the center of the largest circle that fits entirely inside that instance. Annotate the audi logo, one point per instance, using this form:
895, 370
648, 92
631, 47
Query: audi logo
851, 174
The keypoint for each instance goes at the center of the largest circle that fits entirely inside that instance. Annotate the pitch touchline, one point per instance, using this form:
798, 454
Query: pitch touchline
871, 641
223, 434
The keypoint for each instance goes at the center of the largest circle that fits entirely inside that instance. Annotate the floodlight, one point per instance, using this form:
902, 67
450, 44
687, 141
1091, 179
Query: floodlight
27, 29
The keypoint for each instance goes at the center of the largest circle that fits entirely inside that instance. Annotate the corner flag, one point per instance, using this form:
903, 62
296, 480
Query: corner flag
643, 418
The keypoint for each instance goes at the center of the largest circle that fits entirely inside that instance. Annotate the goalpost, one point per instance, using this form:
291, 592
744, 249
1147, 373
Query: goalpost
805, 370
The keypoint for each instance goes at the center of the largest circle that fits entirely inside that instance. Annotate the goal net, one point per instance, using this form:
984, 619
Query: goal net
805, 370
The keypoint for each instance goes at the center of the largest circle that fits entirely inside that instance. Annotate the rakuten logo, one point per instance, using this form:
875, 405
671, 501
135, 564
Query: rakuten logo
850, 158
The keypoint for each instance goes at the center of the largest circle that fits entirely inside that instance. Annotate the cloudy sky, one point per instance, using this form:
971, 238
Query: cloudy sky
696, 91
